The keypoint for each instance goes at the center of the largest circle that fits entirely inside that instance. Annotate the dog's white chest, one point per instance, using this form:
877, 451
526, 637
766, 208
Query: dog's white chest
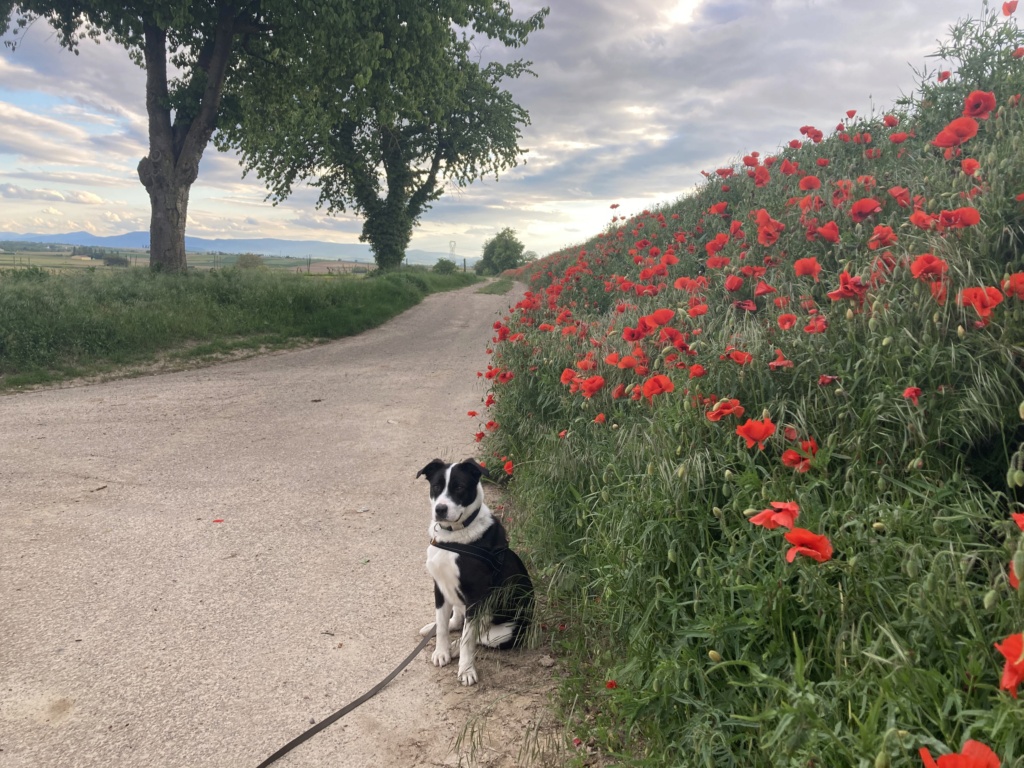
444, 571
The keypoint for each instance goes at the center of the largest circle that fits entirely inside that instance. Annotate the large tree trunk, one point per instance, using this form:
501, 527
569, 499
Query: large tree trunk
168, 200
172, 164
388, 231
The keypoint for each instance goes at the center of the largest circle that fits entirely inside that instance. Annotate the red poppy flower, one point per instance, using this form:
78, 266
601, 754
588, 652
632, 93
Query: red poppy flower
590, 387
808, 266
979, 104
1018, 518
567, 376
768, 229
824, 380
740, 357
696, 371
1012, 649
849, 287
761, 176
956, 133
818, 324
865, 207
611, 684
733, 283
801, 460
1009, 7
787, 321
969, 166
901, 195
781, 515
812, 545
661, 316
756, 432
828, 232
983, 299
763, 289
1018, 53
747, 306
808, 183
973, 755
882, 237
944, 75
780, 361
912, 394
898, 137
697, 310
509, 467
1013, 286
728, 407
600, 418
658, 385
928, 267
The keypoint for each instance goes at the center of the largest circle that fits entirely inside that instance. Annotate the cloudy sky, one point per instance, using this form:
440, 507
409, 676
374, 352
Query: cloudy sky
632, 99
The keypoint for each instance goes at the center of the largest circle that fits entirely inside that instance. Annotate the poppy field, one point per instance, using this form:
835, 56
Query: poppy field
766, 443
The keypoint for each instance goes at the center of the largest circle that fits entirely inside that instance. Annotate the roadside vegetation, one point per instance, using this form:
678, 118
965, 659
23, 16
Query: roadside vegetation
767, 444
55, 326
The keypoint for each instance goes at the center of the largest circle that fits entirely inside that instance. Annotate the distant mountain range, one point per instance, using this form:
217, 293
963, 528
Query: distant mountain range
266, 246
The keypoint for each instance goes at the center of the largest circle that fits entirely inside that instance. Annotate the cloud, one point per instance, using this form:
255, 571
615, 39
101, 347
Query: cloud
80, 196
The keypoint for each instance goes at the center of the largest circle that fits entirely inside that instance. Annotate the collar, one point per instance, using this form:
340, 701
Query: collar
465, 523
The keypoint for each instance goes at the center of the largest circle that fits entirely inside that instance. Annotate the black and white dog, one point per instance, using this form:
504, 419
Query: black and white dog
479, 583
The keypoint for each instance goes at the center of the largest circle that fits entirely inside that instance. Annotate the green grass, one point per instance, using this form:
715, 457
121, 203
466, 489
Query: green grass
498, 287
55, 326
635, 507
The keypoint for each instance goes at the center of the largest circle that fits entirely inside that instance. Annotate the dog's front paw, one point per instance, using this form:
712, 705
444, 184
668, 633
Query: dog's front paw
441, 656
468, 676
427, 629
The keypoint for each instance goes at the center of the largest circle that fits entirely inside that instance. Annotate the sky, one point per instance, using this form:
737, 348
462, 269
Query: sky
632, 99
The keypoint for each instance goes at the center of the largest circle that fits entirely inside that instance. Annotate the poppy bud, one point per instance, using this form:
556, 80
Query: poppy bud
605, 496
750, 512
887, 341
671, 555
765, 415
960, 332
878, 527
883, 485
882, 760
717, 512
650, 468
935, 318
1018, 478
913, 568
1018, 561
849, 314
939, 527
872, 324
990, 599
715, 656
1020, 411
728, 475
681, 471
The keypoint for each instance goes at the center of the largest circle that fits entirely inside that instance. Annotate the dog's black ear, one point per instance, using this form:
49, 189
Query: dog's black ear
431, 468
476, 468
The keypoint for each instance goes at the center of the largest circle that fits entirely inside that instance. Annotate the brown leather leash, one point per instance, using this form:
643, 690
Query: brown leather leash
348, 707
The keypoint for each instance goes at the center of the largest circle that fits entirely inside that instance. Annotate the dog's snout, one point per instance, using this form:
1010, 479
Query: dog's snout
441, 511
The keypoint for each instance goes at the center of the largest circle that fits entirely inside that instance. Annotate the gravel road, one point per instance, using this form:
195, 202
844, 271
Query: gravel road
196, 566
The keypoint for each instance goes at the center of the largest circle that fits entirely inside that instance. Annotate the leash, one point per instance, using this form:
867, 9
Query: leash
494, 558
348, 707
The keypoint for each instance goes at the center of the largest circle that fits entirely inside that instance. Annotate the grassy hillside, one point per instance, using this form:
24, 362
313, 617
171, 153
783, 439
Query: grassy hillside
768, 443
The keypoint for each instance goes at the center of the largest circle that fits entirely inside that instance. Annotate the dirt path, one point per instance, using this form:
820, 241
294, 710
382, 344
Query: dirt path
137, 631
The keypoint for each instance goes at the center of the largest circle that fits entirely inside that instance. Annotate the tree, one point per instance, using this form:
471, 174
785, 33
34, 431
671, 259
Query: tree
501, 252
444, 267
384, 145
212, 45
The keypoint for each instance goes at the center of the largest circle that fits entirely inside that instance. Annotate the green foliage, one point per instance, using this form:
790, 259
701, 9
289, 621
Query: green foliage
383, 139
500, 253
61, 323
724, 653
249, 261
444, 267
